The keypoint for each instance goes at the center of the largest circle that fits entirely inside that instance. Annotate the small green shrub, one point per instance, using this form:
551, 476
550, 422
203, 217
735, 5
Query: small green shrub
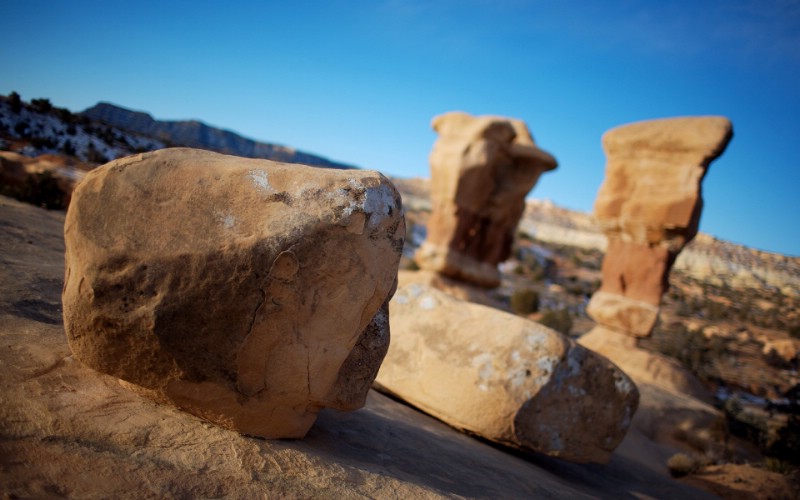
777, 465
525, 301
681, 464
559, 320
40, 189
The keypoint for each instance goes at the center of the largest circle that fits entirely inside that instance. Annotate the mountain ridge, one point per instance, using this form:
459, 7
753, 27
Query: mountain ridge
197, 134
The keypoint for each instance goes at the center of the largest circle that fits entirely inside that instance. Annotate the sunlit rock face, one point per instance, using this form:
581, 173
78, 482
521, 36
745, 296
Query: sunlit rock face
504, 378
649, 207
248, 292
481, 169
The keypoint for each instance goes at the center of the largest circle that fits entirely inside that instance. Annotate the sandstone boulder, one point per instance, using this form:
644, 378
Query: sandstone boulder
248, 292
649, 207
504, 378
481, 169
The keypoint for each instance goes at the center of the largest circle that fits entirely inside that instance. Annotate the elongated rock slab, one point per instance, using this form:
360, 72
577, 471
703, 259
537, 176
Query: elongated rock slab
248, 292
504, 378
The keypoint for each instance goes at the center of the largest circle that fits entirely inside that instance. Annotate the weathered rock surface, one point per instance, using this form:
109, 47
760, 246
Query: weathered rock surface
504, 378
67, 431
649, 207
248, 292
481, 169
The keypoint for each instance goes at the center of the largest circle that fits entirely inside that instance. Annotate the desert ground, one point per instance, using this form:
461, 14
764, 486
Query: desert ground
68, 431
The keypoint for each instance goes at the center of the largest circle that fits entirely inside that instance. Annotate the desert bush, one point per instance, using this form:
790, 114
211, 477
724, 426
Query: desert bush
525, 301
14, 102
408, 264
21, 128
67, 148
95, 156
681, 464
39, 189
43, 143
559, 320
777, 465
42, 105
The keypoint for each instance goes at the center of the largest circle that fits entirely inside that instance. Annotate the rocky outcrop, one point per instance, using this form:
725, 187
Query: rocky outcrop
196, 134
649, 207
67, 431
504, 378
481, 169
248, 292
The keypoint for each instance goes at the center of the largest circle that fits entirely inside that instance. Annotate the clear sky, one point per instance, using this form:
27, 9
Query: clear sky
359, 81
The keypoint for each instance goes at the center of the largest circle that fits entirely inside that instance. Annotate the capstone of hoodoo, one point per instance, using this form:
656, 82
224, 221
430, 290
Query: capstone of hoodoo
649, 207
504, 378
248, 292
481, 170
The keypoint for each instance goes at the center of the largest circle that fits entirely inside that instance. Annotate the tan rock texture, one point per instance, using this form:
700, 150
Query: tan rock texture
67, 431
644, 366
504, 378
247, 292
649, 207
481, 169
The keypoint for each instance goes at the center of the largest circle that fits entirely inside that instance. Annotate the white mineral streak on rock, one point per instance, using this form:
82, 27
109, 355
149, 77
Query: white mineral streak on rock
260, 179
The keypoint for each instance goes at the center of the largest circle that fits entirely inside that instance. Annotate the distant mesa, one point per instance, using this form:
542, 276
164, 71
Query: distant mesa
482, 167
247, 292
196, 134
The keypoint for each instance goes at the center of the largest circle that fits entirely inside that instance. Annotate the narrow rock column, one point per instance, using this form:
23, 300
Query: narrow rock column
649, 208
481, 170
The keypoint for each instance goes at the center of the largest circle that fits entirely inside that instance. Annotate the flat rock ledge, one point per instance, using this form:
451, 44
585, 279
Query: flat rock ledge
248, 292
504, 378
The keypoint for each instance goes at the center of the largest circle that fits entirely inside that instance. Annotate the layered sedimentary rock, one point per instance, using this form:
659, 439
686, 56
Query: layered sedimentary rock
248, 292
649, 207
504, 378
481, 169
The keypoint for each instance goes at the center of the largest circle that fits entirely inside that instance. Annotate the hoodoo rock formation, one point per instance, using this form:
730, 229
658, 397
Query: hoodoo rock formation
649, 207
481, 169
248, 292
504, 378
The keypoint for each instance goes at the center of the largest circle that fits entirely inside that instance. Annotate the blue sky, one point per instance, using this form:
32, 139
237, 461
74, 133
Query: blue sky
359, 81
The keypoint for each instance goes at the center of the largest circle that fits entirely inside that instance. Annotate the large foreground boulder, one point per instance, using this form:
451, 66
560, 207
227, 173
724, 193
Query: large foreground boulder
504, 378
482, 167
248, 292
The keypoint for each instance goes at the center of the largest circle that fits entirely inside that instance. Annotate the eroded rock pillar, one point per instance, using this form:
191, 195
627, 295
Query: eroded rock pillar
649, 208
481, 170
